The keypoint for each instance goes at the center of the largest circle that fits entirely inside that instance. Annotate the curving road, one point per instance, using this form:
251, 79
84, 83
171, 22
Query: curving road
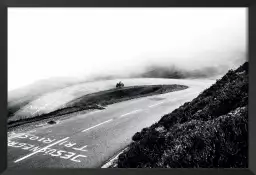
89, 140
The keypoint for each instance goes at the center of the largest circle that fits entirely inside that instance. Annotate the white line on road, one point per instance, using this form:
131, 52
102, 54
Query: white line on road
155, 104
32, 131
113, 159
40, 150
97, 125
132, 112
15, 135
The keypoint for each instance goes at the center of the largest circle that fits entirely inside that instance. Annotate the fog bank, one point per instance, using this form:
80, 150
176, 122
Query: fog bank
86, 44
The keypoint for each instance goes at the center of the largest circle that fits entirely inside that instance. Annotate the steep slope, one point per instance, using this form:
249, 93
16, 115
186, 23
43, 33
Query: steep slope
58, 99
210, 131
21, 97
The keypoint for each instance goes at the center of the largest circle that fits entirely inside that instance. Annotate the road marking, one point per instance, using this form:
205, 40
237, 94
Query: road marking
32, 131
40, 150
110, 162
50, 152
15, 135
42, 124
97, 125
155, 104
135, 111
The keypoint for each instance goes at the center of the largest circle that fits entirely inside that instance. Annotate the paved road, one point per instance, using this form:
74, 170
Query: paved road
89, 140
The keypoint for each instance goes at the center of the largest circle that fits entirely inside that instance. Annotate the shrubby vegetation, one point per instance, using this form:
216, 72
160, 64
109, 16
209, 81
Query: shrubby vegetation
119, 85
211, 131
122, 94
98, 100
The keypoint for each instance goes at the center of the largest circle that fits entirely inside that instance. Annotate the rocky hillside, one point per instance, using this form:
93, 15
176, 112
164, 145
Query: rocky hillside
211, 131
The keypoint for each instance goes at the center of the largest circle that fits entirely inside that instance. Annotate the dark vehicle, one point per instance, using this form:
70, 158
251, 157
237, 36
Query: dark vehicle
119, 85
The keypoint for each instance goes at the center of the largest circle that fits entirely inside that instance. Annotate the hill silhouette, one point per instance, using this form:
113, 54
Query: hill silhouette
211, 131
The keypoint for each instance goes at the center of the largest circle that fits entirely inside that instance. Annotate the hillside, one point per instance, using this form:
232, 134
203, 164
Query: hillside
208, 132
203, 70
98, 100
22, 96
178, 73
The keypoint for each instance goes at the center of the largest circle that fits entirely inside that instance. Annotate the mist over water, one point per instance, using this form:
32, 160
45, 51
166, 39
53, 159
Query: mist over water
215, 66
94, 44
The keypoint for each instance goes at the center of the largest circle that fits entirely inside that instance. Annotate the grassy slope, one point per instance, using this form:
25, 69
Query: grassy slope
19, 98
92, 101
126, 93
210, 131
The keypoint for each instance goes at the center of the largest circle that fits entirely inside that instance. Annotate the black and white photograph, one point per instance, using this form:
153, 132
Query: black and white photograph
127, 88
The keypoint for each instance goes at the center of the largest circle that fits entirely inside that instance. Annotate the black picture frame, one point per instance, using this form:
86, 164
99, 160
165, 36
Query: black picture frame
129, 3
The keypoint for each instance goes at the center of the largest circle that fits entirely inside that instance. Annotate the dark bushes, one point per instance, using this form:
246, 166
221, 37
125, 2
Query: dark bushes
211, 131
119, 85
137, 136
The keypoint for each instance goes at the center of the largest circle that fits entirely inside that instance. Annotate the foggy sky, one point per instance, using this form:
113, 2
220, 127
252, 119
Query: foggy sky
83, 42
